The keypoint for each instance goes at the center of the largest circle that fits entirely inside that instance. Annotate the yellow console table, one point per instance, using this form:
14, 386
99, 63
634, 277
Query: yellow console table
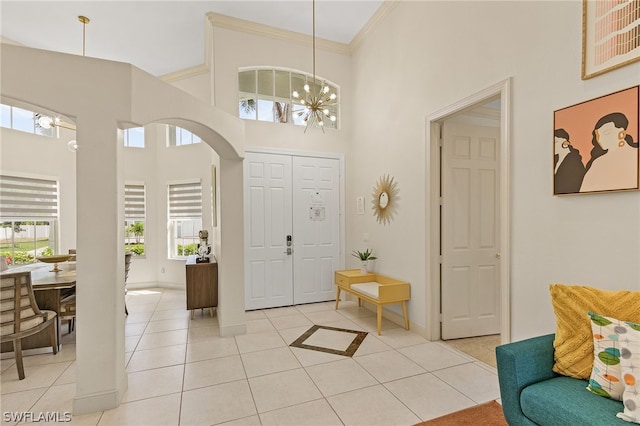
374, 288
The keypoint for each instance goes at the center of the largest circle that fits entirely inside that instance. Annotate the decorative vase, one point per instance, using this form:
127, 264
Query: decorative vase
363, 266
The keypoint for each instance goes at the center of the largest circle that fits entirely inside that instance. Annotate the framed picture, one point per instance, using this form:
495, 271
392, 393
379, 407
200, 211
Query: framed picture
610, 35
595, 145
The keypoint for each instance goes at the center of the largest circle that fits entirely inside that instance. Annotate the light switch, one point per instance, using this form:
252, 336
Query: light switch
360, 205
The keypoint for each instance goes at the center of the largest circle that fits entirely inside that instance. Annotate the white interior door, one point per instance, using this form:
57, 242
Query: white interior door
267, 209
316, 228
292, 196
470, 279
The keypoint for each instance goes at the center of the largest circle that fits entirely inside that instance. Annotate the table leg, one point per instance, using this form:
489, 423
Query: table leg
404, 313
379, 318
337, 296
53, 334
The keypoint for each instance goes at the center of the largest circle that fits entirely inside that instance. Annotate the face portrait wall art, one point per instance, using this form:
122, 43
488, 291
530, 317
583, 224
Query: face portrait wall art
595, 145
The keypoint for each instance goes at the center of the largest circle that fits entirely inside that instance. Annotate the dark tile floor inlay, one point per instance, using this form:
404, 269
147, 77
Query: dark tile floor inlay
351, 349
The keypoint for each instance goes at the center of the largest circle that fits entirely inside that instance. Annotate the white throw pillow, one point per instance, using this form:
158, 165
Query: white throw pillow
606, 375
630, 363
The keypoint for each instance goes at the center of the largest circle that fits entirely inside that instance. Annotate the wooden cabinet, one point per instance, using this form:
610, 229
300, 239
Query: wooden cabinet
202, 285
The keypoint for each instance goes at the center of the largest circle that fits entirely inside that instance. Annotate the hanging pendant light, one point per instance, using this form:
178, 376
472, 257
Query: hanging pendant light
48, 122
316, 108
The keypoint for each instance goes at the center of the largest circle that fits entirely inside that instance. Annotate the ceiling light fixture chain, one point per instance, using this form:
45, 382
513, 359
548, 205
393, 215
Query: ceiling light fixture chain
313, 37
84, 21
315, 107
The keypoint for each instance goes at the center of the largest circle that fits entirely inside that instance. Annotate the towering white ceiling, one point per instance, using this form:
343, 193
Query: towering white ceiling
161, 37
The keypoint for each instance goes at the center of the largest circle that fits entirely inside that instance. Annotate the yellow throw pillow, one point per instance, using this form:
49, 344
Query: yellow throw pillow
573, 342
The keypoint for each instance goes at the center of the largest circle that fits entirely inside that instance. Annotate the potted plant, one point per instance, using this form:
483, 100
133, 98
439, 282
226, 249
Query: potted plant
365, 257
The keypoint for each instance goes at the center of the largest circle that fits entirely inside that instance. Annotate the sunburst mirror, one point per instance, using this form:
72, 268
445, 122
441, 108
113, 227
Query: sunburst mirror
384, 197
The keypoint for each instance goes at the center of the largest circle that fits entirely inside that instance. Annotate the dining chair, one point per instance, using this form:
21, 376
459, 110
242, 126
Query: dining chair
20, 316
68, 310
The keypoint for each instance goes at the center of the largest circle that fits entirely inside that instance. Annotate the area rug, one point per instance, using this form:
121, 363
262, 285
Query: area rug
488, 414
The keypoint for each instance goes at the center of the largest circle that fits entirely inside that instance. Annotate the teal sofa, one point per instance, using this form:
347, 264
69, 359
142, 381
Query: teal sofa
533, 394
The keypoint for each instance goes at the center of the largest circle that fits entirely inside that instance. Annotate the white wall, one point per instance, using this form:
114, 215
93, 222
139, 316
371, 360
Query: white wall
235, 49
26, 154
425, 56
173, 165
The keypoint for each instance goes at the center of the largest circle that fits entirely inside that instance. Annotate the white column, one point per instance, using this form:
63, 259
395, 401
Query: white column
231, 259
101, 377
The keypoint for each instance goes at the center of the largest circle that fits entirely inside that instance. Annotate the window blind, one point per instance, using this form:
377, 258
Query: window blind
134, 205
185, 201
22, 198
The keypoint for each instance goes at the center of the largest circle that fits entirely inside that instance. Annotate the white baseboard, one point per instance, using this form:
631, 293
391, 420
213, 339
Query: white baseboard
155, 284
97, 402
393, 317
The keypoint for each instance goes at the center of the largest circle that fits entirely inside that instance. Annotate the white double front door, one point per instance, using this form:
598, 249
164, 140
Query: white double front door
292, 229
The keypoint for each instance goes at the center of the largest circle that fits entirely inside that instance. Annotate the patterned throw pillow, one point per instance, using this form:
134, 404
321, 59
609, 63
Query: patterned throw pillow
630, 363
606, 374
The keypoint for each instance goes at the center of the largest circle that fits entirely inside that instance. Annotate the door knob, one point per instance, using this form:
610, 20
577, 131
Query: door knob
498, 256
289, 251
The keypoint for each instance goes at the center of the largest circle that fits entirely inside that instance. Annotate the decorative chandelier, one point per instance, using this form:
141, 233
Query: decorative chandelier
315, 108
48, 122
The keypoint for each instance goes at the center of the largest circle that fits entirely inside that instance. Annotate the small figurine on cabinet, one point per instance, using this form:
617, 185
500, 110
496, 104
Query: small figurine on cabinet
204, 248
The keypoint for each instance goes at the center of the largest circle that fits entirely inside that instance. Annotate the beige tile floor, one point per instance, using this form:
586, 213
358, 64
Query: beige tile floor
181, 372
482, 348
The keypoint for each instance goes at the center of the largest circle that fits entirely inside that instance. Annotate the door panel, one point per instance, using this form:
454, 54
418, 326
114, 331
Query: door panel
268, 269
470, 286
316, 216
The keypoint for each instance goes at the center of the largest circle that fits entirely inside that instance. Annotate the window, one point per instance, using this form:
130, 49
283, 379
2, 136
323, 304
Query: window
24, 120
266, 95
28, 218
177, 136
134, 218
185, 218
134, 137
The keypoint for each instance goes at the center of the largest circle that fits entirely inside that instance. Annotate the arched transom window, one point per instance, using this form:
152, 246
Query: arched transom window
265, 94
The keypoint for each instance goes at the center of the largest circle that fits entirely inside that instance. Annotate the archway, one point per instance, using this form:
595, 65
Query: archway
104, 96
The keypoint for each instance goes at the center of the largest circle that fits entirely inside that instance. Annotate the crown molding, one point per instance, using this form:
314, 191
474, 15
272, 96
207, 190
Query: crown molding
228, 22
185, 73
377, 17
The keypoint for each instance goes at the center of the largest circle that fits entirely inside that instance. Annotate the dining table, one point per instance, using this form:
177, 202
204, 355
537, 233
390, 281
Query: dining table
49, 288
